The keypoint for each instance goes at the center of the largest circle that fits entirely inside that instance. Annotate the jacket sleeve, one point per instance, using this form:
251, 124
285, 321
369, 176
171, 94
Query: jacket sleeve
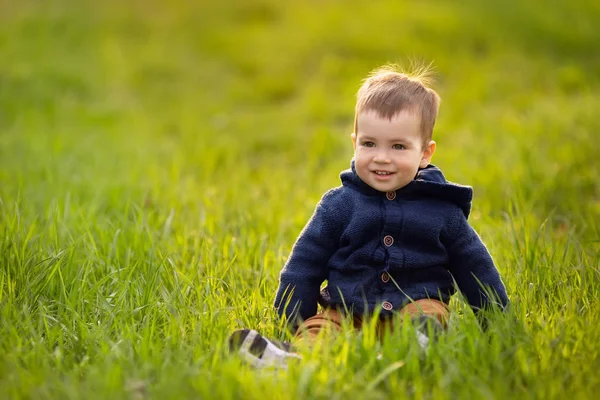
306, 268
472, 266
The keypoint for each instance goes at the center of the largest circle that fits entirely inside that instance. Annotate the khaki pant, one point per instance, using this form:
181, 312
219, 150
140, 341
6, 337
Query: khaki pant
331, 319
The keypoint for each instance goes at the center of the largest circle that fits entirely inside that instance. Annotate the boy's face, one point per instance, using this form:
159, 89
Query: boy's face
388, 153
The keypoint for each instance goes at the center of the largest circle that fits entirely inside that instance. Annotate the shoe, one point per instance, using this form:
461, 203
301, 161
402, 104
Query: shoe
427, 326
259, 351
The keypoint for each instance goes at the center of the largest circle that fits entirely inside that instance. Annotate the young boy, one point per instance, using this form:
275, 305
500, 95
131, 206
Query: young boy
393, 238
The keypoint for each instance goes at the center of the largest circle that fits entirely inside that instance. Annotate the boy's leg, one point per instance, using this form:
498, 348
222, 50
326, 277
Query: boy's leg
429, 308
327, 322
262, 352
429, 316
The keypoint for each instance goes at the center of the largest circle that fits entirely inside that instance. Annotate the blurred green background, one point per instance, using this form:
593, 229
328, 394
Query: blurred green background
158, 159
225, 89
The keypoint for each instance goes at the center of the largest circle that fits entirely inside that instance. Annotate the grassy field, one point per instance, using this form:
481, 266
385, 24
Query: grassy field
158, 159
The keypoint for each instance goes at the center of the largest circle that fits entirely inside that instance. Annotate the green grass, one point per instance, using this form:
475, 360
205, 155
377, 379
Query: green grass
158, 159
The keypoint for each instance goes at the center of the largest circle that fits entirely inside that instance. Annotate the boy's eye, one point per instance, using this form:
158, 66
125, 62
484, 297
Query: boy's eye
398, 146
368, 144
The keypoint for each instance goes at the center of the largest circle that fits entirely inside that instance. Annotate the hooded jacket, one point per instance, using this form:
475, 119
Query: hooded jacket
383, 250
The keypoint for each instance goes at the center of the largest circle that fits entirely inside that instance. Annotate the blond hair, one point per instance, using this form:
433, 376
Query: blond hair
388, 91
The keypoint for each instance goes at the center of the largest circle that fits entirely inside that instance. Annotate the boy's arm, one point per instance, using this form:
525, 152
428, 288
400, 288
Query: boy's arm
472, 267
306, 268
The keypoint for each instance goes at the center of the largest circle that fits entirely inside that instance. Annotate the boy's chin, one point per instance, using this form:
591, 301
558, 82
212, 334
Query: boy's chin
384, 188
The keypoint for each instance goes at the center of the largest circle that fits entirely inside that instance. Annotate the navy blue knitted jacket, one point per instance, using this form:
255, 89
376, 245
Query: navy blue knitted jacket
380, 249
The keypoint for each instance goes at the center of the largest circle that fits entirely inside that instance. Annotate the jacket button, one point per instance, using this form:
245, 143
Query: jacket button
390, 195
385, 277
386, 305
388, 240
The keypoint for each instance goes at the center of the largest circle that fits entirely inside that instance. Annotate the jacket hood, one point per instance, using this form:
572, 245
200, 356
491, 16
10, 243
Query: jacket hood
429, 181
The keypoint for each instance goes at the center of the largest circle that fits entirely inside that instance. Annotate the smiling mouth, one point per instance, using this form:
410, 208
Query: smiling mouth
382, 173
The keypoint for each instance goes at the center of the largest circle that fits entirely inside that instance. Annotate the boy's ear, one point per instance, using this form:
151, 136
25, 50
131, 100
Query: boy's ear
428, 151
353, 136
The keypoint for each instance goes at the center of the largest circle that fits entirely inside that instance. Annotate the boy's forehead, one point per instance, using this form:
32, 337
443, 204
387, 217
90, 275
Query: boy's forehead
402, 126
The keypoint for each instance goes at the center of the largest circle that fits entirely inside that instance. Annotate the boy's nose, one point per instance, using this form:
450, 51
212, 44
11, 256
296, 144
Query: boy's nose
382, 157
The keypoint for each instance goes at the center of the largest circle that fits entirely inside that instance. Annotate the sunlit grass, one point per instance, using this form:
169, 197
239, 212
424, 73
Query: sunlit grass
158, 160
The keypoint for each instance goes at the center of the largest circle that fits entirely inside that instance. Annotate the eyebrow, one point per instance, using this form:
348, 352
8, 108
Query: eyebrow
365, 137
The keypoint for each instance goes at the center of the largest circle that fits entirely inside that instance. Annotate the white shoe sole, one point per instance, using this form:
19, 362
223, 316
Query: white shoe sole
259, 351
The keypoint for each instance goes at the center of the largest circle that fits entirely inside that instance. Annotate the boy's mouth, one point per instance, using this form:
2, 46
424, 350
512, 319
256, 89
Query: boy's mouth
383, 175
